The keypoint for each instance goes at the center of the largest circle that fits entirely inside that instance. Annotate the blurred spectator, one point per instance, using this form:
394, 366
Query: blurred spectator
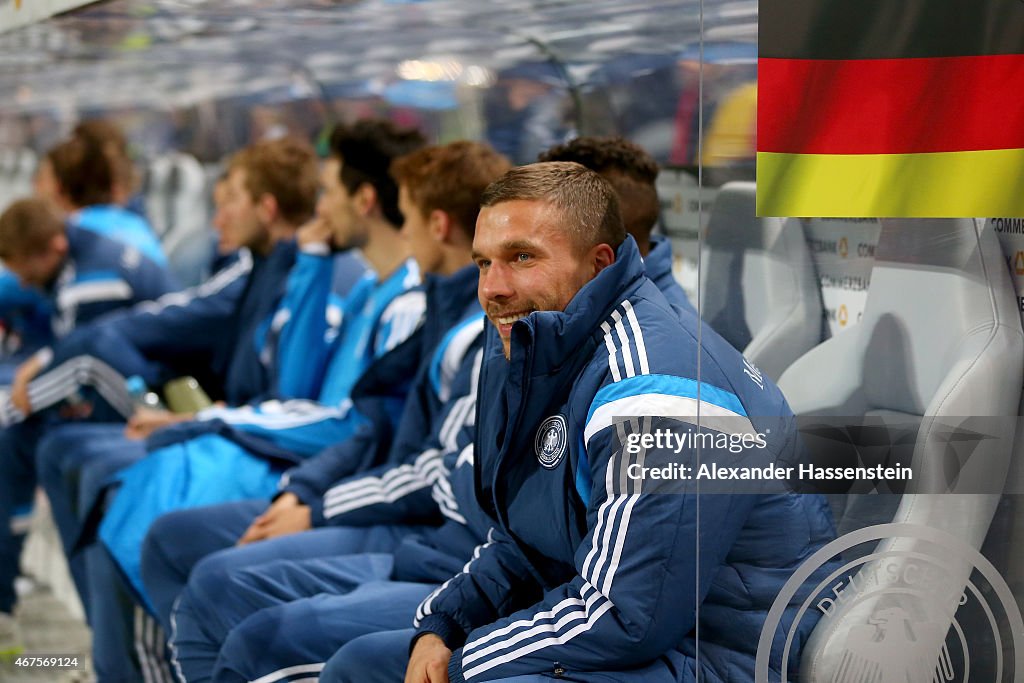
528, 111
719, 97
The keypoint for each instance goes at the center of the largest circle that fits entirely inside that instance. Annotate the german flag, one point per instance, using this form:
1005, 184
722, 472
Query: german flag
890, 108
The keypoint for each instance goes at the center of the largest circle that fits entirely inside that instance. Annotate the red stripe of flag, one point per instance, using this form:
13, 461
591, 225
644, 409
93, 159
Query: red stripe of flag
890, 106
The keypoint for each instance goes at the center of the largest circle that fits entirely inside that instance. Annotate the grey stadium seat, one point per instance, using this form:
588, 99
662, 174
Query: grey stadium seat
758, 285
176, 202
940, 338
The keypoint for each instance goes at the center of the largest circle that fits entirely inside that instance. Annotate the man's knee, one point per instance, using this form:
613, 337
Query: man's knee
209, 577
204, 594
167, 533
247, 646
196, 617
373, 658
50, 450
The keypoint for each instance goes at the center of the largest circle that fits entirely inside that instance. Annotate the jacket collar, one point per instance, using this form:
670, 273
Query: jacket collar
282, 254
74, 235
449, 299
546, 340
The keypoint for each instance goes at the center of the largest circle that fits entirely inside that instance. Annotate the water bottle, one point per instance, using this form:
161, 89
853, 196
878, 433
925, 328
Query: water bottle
141, 395
184, 395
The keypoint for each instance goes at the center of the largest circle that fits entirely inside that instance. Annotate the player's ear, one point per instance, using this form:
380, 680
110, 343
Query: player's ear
59, 243
601, 256
266, 208
365, 199
439, 224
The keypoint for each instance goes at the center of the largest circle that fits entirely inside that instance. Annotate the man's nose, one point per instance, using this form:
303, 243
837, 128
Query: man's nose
496, 283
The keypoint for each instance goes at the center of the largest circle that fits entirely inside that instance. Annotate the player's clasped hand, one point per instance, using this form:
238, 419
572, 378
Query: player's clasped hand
286, 515
429, 661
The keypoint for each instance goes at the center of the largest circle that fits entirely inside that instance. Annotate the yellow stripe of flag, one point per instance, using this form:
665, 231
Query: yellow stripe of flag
944, 184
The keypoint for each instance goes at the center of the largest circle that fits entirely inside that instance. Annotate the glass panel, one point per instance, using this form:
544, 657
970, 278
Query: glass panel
881, 544
889, 349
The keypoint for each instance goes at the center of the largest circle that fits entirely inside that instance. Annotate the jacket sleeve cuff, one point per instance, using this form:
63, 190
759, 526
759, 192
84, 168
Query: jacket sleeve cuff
455, 668
303, 491
444, 628
315, 249
316, 512
43, 356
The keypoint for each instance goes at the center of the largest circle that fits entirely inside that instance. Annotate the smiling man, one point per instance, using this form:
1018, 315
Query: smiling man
542, 271
540, 268
585, 574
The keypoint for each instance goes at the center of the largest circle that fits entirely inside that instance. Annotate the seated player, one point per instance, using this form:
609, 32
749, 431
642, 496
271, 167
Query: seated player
82, 276
586, 573
84, 177
439, 190
219, 332
379, 505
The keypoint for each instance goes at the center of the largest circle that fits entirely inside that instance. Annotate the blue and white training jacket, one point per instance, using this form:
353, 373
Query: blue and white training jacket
100, 276
120, 225
211, 331
583, 570
440, 404
25, 311
377, 315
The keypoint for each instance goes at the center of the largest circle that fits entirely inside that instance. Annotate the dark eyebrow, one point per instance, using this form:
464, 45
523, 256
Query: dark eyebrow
518, 245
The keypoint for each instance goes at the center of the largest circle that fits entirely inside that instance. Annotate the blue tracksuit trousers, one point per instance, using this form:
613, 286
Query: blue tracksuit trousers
228, 587
178, 540
17, 490
383, 657
61, 457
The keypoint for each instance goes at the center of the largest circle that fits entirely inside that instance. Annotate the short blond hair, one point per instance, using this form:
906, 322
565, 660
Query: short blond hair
585, 200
